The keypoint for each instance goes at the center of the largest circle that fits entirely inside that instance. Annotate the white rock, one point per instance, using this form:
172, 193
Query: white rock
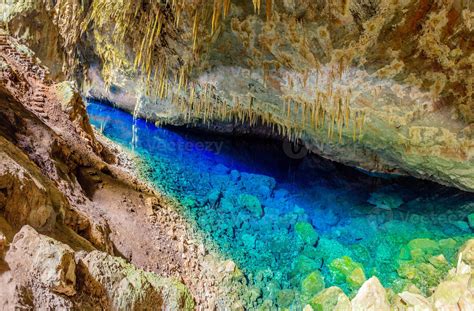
371, 297
229, 266
39, 260
415, 301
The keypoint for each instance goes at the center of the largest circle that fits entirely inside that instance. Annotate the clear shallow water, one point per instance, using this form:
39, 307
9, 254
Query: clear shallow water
255, 204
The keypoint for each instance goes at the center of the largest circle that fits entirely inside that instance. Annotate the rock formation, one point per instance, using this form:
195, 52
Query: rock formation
46, 274
386, 86
381, 85
61, 195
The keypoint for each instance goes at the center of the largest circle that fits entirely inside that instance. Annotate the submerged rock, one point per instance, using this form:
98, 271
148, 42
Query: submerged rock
312, 284
252, 204
384, 200
419, 248
306, 233
220, 169
345, 270
470, 220
285, 298
302, 266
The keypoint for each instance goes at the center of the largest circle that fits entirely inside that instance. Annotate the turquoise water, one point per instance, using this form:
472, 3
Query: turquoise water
288, 224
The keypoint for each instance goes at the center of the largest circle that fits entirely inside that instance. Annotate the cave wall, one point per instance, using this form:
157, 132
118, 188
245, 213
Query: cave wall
382, 85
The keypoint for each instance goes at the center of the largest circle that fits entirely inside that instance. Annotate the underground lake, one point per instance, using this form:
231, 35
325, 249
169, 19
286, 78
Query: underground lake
295, 224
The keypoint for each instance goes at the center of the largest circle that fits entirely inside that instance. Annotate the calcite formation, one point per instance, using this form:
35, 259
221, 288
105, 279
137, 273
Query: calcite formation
383, 85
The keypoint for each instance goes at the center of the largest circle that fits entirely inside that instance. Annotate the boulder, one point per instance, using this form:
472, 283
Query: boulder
467, 251
306, 232
371, 297
414, 301
384, 200
451, 293
346, 270
37, 260
470, 220
302, 266
419, 248
128, 288
285, 298
312, 284
331, 299
28, 197
252, 204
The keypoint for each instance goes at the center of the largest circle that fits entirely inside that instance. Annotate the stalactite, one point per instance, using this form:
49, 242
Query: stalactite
181, 78
305, 78
177, 15
303, 113
195, 30
289, 107
354, 128
323, 117
333, 122
216, 15
361, 125
268, 9
256, 6
226, 8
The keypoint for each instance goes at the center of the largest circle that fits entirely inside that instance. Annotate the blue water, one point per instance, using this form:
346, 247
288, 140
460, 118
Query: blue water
213, 178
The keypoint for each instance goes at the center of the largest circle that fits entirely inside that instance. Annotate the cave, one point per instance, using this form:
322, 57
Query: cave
237, 155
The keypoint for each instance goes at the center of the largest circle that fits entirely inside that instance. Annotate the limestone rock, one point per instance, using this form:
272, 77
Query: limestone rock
381, 58
73, 106
27, 195
415, 301
128, 288
37, 260
467, 251
385, 201
331, 299
371, 297
312, 284
252, 204
470, 220
306, 233
285, 298
451, 293
344, 269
